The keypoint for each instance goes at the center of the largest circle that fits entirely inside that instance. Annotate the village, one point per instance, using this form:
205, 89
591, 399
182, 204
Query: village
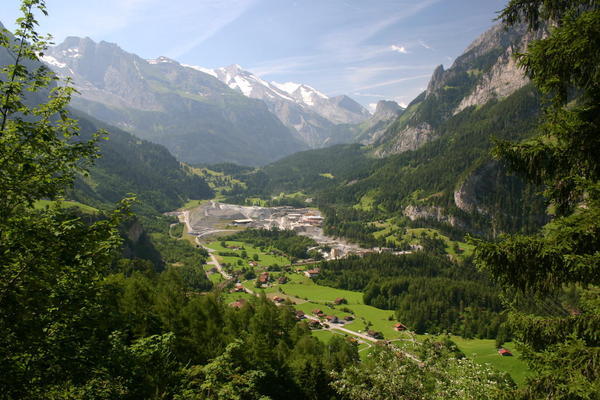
216, 218
245, 272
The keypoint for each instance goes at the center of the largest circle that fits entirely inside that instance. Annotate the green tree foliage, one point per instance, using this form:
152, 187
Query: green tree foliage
561, 339
442, 374
51, 261
429, 292
287, 241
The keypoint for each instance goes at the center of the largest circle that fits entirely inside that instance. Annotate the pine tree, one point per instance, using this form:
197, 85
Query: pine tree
560, 339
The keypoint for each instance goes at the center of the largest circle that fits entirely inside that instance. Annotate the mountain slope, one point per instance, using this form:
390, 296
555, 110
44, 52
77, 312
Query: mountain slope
127, 165
448, 179
300, 107
193, 114
132, 165
484, 72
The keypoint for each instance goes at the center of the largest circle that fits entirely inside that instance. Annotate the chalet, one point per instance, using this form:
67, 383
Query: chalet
348, 318
239, 288
504, 352
311, 273
300, 314
238, 304
253, 264
332, 318
318, 312
340, 300
375, 334
264, 278
282, 279
278, 299
400, 327
314, 324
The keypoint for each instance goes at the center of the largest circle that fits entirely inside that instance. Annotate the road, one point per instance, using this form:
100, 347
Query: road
214, 261
185, 218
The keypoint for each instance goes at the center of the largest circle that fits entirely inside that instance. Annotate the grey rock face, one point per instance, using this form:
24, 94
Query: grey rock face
485, 71
299, 107
197, 117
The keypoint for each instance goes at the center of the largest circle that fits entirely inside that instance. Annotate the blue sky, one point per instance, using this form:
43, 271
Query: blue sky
368, 49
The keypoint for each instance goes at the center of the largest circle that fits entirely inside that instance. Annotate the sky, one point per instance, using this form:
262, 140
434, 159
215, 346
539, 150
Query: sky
368, 49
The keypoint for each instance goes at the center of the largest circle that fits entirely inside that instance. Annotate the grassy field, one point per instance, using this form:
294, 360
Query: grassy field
40, 204
215, 278
309, 296
484, 351
192, 204
389, 230
466, 248
264, 259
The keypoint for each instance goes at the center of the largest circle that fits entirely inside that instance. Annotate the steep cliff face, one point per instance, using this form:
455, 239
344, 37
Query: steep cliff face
372, 129
467, 196
409, 138
504, 78
485, 71
435, 213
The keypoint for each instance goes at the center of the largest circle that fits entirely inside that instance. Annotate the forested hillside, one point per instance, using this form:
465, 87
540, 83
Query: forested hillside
131, 165
100, 303
451, 181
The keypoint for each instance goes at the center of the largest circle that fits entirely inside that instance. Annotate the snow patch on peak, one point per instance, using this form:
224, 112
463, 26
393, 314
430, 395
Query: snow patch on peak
53, 61
288, 87
242, 84
162, 59
202, 69
307, 96
72, 53
315, 91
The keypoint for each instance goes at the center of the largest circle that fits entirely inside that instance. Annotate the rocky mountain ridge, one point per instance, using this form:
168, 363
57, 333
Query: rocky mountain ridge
197, 117
485, 71
300, 107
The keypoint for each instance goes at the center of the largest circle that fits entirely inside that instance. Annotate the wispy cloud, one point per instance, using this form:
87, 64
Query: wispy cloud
223, 14
399, 49
392, 82
425, 45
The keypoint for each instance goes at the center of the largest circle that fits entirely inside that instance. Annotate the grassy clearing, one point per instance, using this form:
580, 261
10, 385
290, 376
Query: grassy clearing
366, 203
192, 204
231, 297
216, 277
41, 204
412, 235
264, 259
484, 351
393, 233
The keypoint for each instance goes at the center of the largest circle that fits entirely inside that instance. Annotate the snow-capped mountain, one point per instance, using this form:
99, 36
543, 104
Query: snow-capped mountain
311, 113
195, 115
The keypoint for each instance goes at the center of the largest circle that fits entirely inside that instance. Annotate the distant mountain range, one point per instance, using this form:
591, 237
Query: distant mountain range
202, 115
197, 117
300, 107
429, 164
127, 165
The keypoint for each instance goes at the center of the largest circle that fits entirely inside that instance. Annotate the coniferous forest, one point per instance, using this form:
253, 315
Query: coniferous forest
104, 297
